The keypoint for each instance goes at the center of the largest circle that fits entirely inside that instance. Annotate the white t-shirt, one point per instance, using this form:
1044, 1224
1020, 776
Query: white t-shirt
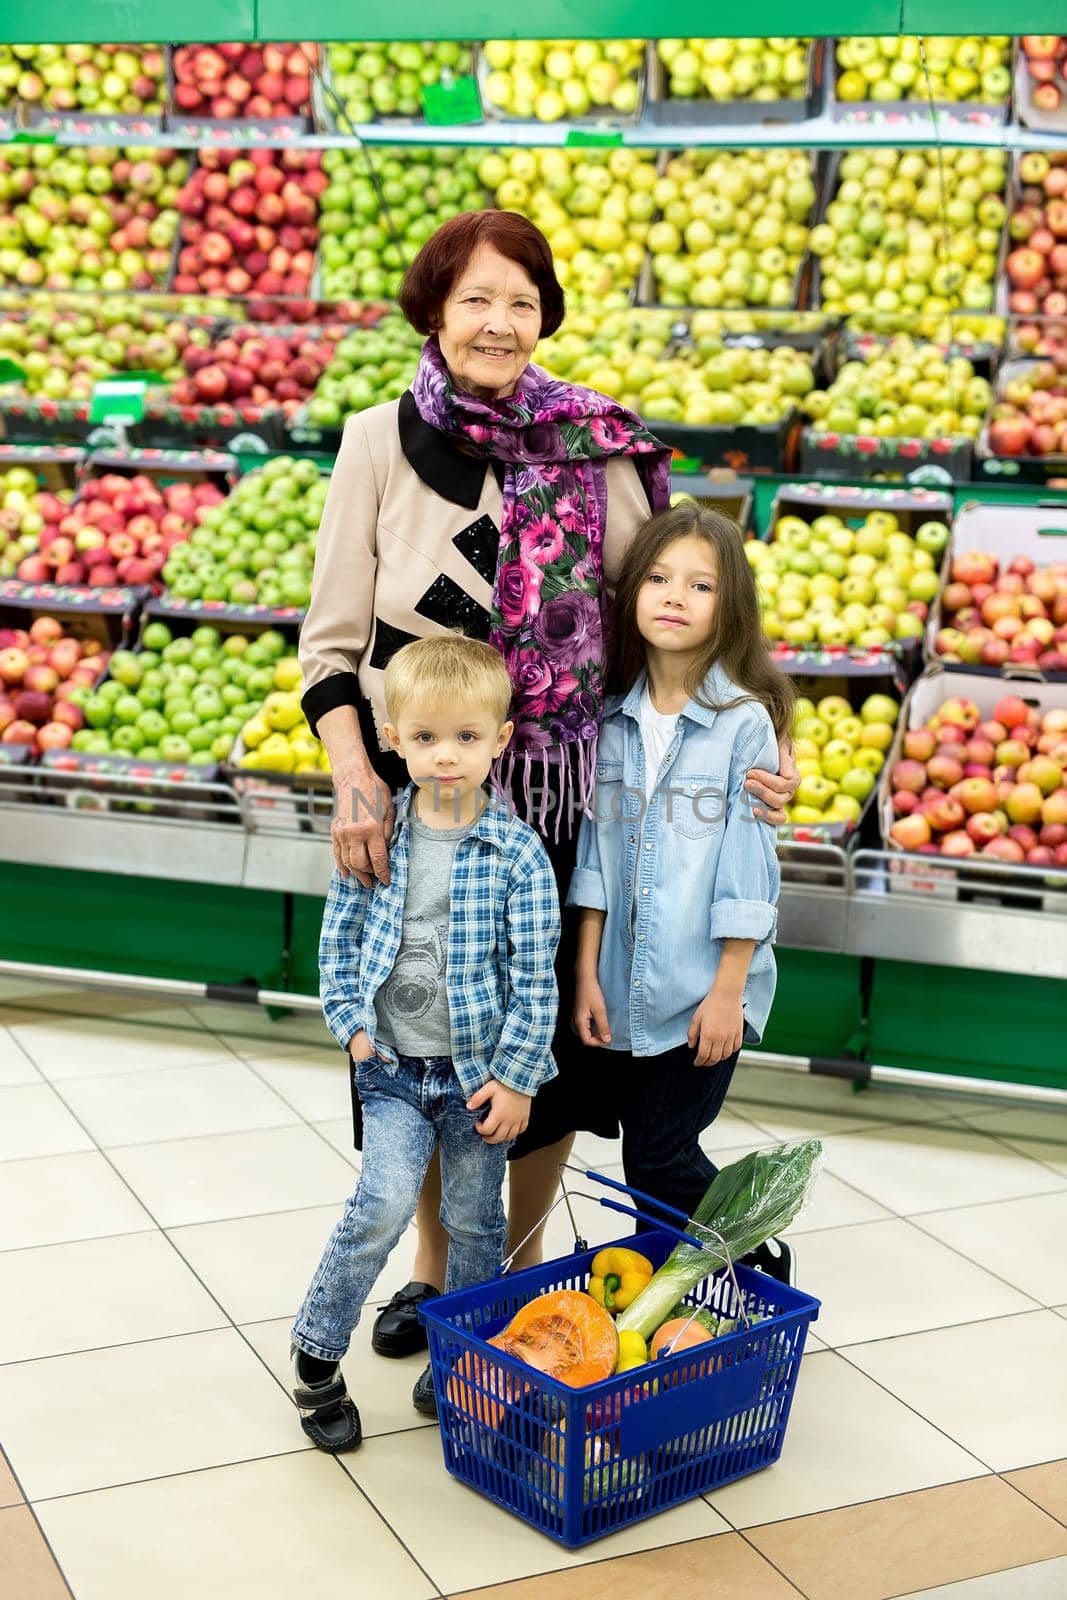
657, 732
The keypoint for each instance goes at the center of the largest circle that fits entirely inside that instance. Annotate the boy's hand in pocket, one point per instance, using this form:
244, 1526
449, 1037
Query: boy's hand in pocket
590, 1015
360, 1047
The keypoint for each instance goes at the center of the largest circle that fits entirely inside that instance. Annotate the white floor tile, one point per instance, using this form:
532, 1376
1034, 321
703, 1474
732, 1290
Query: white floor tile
827, 1460
915, 1169
1038, 1133
55, 1198
381, 1387
999, 1388
234, 1175
1043, 1580
66, 1297
35, 1122
258, 1267
175, 1103
142, 1411
757, 1091
834, 1204
79, 1047
464, 1541
881, 1279
314, 1083
264, 1530
15, 1065
1022, 1241
338, 1130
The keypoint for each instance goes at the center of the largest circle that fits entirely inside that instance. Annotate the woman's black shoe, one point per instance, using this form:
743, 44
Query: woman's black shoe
397, 1329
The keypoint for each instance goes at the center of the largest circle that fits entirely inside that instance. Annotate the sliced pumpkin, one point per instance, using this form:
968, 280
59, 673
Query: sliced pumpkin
678, 1334
565, 1335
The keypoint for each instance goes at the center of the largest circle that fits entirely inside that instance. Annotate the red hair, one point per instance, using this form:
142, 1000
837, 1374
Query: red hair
429, 279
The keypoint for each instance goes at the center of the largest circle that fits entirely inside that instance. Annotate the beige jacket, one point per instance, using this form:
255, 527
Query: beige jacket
398, 559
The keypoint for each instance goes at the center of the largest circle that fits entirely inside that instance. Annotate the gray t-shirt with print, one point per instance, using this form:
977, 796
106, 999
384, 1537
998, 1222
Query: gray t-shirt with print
412, 1005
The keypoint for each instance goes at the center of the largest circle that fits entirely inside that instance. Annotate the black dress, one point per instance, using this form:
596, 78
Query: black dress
575, 1099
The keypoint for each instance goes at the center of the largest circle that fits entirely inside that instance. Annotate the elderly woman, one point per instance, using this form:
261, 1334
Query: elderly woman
493, 499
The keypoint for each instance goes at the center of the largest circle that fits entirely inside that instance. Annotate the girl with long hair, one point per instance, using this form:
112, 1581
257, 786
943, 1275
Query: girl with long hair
676, 874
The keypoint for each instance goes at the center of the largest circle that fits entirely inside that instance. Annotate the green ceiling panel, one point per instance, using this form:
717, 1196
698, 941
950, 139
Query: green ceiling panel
980, 16
132, 21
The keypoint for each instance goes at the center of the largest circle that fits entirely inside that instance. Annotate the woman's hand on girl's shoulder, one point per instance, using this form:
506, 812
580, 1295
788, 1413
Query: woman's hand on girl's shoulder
775, 790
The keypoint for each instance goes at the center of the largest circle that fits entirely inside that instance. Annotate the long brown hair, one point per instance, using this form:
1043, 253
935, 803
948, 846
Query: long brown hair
737, 642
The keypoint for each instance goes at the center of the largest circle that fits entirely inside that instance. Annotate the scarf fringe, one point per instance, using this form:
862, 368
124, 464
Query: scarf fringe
562, 778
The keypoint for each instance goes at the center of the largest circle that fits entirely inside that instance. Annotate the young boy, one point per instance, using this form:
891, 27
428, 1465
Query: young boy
440, 985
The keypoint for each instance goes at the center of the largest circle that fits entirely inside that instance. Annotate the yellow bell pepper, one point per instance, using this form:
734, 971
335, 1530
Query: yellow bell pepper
633, 1351
618, 1276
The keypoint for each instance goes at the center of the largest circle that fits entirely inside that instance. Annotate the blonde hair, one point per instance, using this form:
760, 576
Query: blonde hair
452, 668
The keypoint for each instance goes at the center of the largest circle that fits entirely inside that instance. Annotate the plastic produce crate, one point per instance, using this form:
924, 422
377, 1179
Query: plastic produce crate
578, 1464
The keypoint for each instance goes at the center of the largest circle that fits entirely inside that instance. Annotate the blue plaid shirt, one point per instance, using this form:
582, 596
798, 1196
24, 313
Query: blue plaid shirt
502, 936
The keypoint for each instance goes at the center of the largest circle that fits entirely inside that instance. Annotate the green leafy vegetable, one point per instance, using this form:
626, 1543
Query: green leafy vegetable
749, 1202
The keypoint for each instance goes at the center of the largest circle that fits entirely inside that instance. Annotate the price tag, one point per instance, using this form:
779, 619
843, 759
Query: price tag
118, 400
452, 100
32, 136
585, 138
11, 372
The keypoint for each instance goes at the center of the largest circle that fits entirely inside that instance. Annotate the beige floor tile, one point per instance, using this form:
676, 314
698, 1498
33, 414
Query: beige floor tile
36, 997
917, 1169
462, 1539
880, 1279
176, 1103
827, 1460
757, 1091
834, 1204
15, 1065
1040, 1133
894, 1547
234, 1175
999, 1388
264, 1530
380, 1387
67, 1297
314, 1082
236, 1022
721, 1568
1045, 1580
54, 1198
79, 1047
35, 1122
10, 1493
1046, 1486
259, 1267
27, 1567
1022, 1241
142, 1411
338, 1130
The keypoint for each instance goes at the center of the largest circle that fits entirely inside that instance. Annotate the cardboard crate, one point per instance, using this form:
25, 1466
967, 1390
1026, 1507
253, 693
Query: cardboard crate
1005, 531
911, 507
55, 466
598, 117
662, 108
855, 688
107, 615
731, 495
1050, 469
948, 878
894, 113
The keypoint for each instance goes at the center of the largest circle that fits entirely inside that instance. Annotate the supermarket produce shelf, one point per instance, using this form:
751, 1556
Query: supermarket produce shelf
863, 903
897, 129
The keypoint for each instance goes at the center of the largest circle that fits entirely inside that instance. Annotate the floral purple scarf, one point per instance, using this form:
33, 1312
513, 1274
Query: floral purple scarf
550, 611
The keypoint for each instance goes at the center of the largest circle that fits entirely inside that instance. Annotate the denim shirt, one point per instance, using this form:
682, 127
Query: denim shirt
502, 935
701, 868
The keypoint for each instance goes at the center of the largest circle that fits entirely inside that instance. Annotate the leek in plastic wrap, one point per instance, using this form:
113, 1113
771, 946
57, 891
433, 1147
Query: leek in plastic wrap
749, 1202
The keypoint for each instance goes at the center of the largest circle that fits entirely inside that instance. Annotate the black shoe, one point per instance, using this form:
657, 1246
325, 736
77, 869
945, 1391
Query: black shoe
423, 1397
327, 1415
775, 1258
397, 1329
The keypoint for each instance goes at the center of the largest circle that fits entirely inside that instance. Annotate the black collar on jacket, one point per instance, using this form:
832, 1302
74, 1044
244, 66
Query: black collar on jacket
442, 465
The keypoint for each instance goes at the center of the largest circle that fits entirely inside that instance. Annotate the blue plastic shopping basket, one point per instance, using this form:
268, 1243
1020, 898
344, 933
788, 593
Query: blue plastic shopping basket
581, 1463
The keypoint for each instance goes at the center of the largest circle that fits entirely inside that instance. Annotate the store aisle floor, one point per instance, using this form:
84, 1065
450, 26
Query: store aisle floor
167, 1177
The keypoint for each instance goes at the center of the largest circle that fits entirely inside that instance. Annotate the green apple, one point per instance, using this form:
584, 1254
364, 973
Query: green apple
857, 782
815, 792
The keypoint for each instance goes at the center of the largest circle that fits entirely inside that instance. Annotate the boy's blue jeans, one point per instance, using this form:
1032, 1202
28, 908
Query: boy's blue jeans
406, 1114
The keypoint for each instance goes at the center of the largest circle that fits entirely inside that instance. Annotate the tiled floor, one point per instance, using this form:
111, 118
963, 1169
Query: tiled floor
167, 1178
